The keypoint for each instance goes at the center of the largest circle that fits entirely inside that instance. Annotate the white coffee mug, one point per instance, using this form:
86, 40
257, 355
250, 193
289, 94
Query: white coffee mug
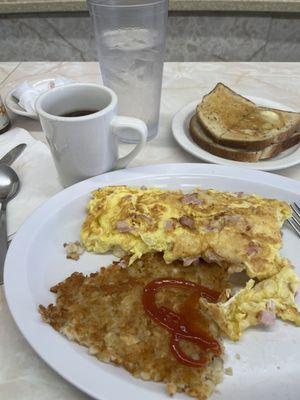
87, 145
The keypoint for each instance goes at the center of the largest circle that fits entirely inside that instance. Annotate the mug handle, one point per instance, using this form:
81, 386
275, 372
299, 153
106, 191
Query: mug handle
118, 123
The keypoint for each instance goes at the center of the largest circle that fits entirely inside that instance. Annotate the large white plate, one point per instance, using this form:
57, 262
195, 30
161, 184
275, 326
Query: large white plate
180, 129
269, 367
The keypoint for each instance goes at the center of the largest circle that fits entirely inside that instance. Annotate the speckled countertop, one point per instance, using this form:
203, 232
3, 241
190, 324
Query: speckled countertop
36, 6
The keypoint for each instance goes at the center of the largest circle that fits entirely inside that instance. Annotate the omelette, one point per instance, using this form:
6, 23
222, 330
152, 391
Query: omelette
257, 303
235, 230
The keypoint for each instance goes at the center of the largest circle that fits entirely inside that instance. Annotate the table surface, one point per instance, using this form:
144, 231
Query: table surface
23, 375
42, 6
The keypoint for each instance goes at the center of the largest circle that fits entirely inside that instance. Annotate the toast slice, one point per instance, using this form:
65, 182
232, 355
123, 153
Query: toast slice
234, 121
199, 136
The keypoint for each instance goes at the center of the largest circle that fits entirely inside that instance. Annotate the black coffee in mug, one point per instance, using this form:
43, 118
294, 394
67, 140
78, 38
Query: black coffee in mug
85, 146
78, 113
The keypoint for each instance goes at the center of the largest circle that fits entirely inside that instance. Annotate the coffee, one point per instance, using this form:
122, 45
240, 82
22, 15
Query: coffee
78, 113
84, 143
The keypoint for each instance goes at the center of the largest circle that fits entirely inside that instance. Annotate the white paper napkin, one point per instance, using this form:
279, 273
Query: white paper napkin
27, 93
37, 174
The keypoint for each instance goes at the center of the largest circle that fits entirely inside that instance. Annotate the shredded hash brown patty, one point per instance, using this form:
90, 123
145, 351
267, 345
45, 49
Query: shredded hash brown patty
104, 312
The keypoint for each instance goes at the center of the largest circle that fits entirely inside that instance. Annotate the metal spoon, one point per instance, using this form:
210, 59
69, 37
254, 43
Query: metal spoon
13, 154
9, 187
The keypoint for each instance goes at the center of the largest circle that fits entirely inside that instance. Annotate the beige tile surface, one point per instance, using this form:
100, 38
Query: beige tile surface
5, 70
23, 376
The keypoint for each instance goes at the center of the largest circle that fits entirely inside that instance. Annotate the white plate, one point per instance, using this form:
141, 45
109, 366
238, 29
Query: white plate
269, 367
12, 103
180, 129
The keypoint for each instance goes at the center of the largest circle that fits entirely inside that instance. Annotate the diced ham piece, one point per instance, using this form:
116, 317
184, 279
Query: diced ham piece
189, 261
210, 256
187, 221
226, 220
210, 228
123, 226
267, 317
191, 198
127, 197
169, 225
252, 249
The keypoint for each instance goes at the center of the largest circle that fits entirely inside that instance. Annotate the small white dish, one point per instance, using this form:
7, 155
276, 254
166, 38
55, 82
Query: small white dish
269, 367
12, 103
180, 129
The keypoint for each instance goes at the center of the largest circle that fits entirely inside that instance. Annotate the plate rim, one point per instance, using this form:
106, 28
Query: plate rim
10, 103
180, 135
81, 188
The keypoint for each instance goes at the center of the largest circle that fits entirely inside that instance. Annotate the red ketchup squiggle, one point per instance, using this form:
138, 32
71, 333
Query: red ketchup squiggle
177, 324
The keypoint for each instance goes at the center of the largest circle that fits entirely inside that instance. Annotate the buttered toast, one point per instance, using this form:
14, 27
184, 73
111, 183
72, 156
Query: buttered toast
232, 120
204, 140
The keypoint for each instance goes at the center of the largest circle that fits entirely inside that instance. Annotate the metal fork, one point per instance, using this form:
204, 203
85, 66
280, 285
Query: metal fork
294, 221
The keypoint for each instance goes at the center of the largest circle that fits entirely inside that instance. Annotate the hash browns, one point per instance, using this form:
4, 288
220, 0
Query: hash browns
104, 312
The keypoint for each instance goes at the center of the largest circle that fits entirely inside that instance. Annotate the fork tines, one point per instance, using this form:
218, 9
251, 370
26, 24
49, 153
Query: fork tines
296, 209
294, 221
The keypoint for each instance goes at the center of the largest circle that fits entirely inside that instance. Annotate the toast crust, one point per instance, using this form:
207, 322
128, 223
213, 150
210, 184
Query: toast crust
198, 134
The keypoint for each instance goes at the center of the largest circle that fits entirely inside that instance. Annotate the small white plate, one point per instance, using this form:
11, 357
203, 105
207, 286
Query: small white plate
180, 129
12, 103
269, 365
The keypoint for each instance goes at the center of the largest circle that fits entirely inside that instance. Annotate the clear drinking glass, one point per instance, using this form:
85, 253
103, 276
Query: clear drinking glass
130, 40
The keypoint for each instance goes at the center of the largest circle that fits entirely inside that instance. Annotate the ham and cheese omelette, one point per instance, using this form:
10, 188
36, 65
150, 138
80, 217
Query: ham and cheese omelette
196, 240
240, 232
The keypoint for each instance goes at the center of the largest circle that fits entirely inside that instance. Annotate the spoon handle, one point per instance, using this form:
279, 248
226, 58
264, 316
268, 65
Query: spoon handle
3, 239
13, 154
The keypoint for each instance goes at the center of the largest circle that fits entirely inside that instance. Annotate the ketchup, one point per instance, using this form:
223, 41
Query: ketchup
178, 324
